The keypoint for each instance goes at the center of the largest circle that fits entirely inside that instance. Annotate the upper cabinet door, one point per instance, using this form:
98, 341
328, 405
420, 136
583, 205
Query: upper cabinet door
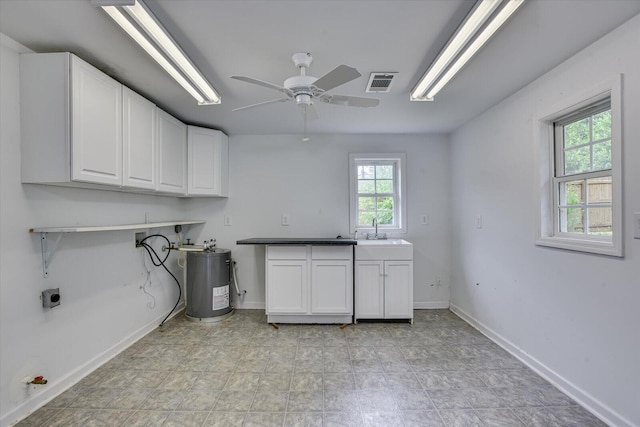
172, 154
96, 125
139, 141
208, 159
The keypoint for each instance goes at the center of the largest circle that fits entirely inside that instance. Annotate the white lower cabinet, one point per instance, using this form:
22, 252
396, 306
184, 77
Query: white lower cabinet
309, 284
288, 287
384, 287
331, 287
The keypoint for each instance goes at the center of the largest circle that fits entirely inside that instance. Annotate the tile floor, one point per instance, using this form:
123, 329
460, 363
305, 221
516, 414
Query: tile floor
243, 372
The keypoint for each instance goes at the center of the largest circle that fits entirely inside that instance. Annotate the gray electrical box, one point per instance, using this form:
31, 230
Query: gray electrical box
51, 297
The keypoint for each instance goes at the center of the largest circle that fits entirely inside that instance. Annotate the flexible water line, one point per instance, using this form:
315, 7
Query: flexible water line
235, 279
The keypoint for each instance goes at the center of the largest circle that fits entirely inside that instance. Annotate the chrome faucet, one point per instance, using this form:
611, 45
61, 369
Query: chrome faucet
374, 223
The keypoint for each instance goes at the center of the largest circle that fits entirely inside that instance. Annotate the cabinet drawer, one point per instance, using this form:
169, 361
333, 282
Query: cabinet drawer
331, 252
286, 252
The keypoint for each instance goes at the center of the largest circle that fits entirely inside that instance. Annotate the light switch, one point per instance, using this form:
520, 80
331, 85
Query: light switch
636, 225
286, 220
424, 219
479, 221
227, 220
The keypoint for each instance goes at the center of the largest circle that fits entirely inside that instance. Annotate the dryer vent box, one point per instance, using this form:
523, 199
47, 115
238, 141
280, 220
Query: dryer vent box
51, 298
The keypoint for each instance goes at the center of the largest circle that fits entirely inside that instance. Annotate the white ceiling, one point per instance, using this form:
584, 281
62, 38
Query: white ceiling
257, 38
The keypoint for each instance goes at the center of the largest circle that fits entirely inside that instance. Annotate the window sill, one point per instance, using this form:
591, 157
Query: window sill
581, 245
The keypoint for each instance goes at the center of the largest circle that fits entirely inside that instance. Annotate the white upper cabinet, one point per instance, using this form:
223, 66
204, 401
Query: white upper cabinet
208, 159
139, 141
71, 116
172, 154
81, 128
96, 118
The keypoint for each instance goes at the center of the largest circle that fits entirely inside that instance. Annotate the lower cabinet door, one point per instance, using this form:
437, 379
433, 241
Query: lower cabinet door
331, 287
287, 287
398, 291
369, 290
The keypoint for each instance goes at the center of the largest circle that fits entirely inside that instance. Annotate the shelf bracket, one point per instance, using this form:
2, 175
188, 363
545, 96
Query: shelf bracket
47, 253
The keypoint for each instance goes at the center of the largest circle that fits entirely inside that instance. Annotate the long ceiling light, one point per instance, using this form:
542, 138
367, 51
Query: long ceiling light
136, 19
481, 23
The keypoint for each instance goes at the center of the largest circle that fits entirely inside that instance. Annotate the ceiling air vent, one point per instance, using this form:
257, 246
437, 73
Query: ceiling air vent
380, 82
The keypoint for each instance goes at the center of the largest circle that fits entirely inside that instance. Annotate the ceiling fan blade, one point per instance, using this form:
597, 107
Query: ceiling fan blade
273, 101
309, 112
338, 76
262, 83
350, 101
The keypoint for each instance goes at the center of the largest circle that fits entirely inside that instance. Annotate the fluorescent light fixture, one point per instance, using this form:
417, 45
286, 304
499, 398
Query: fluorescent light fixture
481, 23
137, 20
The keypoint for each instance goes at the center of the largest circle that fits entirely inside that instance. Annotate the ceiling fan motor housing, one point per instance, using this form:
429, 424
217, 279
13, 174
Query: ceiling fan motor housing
301, 88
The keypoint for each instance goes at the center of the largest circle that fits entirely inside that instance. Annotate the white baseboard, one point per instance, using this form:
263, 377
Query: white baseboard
593, 405
420, 305
56, 387
250, 305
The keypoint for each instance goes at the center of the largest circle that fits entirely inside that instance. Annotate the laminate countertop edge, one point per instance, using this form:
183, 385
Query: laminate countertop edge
297, 241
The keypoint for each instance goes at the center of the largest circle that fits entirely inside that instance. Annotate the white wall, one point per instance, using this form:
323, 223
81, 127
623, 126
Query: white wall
271, 175
572, 316
99, 274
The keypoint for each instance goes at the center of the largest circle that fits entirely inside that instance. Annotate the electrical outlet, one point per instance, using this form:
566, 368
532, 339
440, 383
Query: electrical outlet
139, 237
227, 220
636, 225
424, 219
479, 221
286, 219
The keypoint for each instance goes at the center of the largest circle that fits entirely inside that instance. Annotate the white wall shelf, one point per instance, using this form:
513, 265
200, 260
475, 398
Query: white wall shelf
47, 253
84, 229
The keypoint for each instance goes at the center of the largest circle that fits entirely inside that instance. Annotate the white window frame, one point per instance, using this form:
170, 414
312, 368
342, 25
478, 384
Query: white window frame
400, 183
547, 232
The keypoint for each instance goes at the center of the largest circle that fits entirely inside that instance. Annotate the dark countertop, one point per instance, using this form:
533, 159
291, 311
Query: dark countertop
297, 241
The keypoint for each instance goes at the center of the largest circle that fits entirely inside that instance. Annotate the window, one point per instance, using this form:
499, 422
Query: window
377, 192
583, 172
580, 173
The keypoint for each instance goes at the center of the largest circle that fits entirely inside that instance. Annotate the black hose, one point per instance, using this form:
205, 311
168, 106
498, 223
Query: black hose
160, 262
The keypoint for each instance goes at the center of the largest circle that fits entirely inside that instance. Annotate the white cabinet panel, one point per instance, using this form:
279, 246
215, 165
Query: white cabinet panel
139, 141
172, 154
287, 287
331, 287
96, 125
369, 290
71, 122
208, 162
398, 289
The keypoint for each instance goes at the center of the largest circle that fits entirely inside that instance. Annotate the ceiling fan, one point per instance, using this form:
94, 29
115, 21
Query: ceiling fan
304, 89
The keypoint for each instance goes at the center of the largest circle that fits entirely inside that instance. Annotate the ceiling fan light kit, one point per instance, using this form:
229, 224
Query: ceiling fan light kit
136, 19
486, 17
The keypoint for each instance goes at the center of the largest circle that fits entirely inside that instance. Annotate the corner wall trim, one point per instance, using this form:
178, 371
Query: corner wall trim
591, 404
